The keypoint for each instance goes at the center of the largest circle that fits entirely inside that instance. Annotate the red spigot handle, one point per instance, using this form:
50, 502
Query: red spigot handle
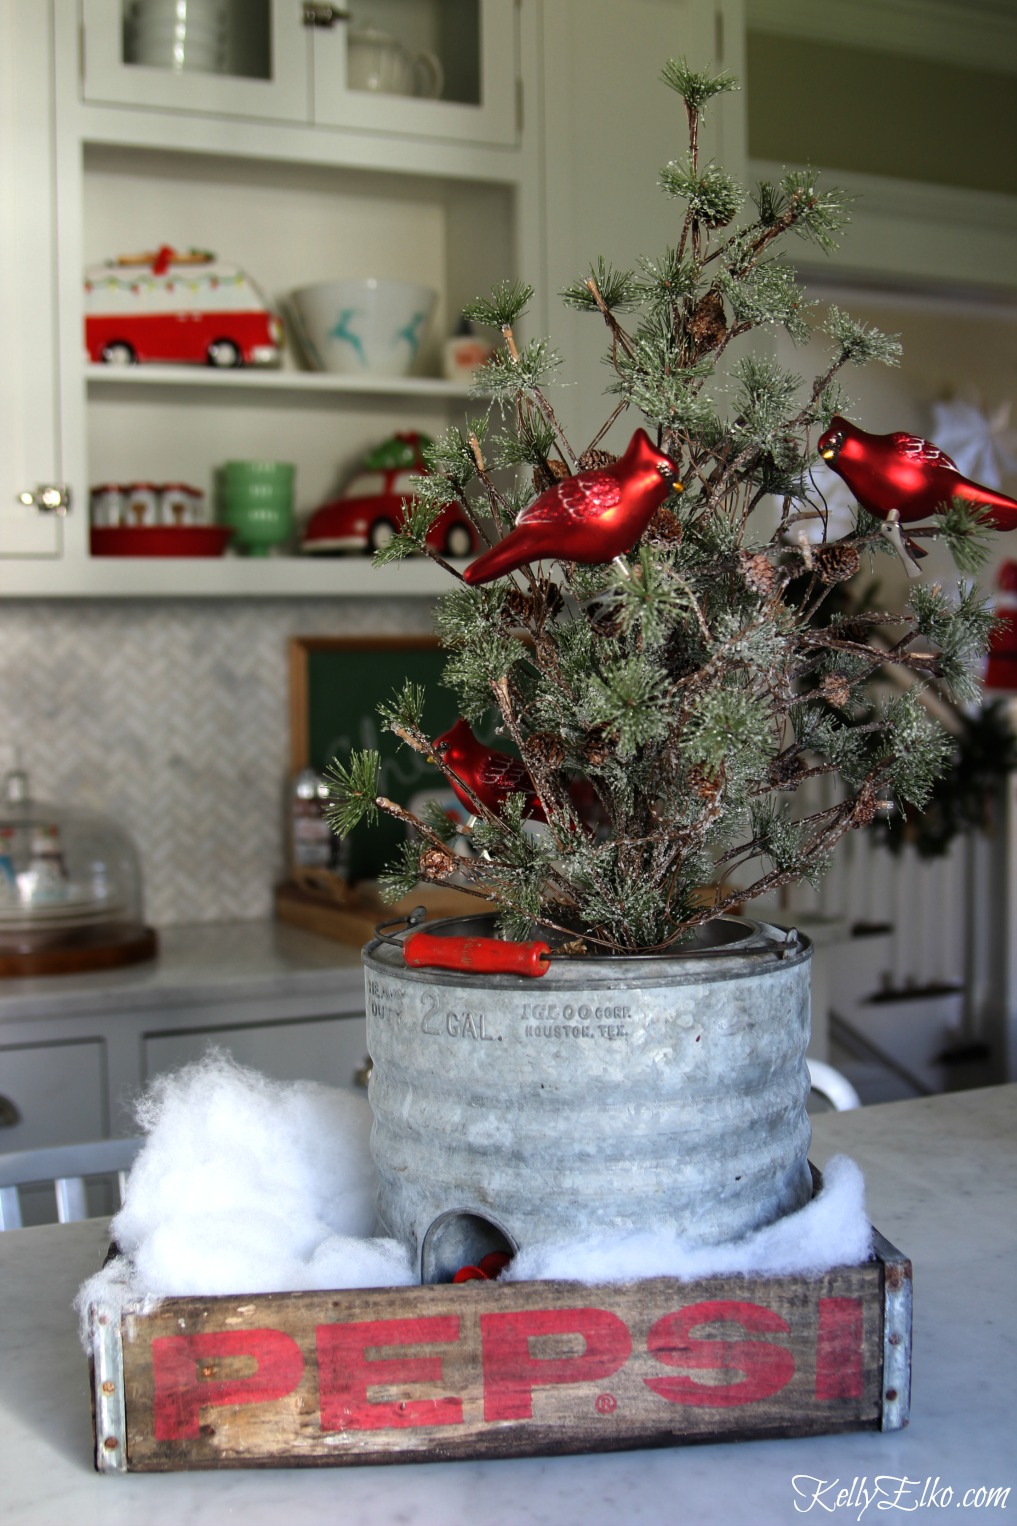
488, 956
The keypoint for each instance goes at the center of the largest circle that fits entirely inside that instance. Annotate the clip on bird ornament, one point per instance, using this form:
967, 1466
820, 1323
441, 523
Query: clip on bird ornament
489, 776
595, 516
901, 478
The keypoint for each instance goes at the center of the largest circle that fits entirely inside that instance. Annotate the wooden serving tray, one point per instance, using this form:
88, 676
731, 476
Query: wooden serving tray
352, 917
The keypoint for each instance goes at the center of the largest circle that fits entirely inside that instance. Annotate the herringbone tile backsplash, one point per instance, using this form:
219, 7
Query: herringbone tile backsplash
172, 716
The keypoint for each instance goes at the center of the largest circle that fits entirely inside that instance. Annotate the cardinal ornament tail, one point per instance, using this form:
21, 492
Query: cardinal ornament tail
500, 560
998, 510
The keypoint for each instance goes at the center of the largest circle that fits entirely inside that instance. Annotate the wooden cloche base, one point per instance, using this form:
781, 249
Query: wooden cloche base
103, 948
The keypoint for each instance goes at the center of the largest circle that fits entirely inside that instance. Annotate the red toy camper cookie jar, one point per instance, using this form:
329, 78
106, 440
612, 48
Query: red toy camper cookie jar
186, 309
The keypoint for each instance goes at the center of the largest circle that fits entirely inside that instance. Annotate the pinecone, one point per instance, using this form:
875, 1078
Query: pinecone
785, 773
596, 460
546, 749
546, 476
865, 807
665, 525
554, 599
854, 630
759, 572
836, 690
596, 751
436, 863
708, 324
604, 620
836, 562
703, 784
520, 605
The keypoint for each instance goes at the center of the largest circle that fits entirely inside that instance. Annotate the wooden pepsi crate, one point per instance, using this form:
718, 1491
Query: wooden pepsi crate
486, 1369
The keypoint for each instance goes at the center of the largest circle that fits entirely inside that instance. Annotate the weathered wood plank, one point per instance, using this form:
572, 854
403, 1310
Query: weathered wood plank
484, 1369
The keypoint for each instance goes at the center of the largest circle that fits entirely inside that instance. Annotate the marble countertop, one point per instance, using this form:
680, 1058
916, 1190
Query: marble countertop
941, 1177
208, 961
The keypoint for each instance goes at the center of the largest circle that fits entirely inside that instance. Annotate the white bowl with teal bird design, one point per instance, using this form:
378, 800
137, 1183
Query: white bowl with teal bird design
364, 327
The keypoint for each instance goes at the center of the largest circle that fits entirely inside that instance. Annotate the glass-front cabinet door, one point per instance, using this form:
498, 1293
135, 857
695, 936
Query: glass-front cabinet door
245, 58
429, 68
443, 69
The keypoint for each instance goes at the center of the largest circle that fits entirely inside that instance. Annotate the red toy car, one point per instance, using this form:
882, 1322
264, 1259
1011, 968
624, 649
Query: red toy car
370, 510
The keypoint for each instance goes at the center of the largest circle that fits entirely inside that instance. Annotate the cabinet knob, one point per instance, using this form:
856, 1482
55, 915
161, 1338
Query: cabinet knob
48, 498
9, 1115
323, 15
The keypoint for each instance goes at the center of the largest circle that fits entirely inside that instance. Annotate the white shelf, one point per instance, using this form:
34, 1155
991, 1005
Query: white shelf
99, 377
223, 577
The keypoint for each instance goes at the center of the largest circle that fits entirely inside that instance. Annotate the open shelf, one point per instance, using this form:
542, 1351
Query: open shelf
281, 379
221, 577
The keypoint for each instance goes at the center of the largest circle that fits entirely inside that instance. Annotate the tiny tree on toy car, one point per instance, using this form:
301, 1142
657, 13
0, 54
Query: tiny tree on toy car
649, 633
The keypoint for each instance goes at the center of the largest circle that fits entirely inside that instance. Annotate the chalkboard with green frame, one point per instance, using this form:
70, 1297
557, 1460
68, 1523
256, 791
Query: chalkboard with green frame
336, 684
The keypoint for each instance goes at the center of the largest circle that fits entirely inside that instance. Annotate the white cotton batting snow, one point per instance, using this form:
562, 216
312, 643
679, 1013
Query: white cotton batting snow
246, 1185
831, 1230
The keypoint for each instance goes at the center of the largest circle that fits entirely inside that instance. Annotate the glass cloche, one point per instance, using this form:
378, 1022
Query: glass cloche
70, 887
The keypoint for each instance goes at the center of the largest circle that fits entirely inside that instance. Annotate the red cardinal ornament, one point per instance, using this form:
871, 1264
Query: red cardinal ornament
902, 472
492, 776
591, 517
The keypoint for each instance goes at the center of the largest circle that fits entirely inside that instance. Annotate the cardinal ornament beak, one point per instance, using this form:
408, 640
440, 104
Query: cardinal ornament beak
830, 445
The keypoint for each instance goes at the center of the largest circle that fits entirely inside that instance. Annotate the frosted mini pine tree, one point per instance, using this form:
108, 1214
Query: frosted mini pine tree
667, 705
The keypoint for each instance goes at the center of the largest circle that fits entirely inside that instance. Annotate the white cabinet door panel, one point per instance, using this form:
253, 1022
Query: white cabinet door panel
59, 1092
29, 449
328, 1050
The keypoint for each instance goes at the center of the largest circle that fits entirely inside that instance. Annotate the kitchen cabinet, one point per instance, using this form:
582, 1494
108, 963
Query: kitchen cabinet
523, 165
527, 166
75, 1052
289, 61
933, 201
129, 156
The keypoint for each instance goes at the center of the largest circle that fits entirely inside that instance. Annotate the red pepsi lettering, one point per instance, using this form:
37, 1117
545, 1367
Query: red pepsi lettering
181, 1392
346, 1374
511, 1372
839, 1349
766, 1368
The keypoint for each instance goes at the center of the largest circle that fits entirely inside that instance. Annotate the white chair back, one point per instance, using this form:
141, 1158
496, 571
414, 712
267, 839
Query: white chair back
66, 1167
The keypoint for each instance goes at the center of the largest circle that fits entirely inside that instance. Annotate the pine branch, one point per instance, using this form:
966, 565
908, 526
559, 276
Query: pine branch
547, 794
619, 338
494, 497
527, 366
